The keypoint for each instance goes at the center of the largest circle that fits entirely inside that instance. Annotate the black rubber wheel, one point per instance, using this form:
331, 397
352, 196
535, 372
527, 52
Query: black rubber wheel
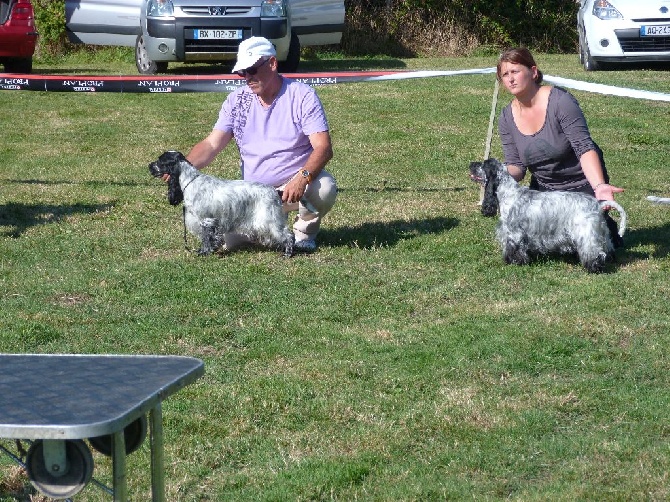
77, 476
588, 62
145, 65
134, 434
19, 65
293, 57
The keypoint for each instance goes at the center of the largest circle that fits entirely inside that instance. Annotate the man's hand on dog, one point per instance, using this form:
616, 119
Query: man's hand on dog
294, 190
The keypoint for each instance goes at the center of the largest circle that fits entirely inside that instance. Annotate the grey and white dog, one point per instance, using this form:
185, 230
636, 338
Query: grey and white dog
214, 207
536, 223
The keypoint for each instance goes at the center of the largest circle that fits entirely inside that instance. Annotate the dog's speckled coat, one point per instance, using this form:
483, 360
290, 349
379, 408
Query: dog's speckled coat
214, 207
539, 223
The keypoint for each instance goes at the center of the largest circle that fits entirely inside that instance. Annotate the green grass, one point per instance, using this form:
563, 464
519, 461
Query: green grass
403, 360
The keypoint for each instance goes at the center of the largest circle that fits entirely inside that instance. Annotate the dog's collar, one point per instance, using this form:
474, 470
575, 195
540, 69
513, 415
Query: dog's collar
191, 181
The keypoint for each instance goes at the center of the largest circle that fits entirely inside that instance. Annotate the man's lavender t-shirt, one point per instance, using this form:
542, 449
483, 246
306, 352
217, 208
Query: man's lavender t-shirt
273, 142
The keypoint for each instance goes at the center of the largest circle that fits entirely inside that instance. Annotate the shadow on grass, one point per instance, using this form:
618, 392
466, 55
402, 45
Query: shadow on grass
25, 494
91, 183
384, 234
306, 65
20, 217
326, 65
659, 237
72, 71
384, 187
661, 66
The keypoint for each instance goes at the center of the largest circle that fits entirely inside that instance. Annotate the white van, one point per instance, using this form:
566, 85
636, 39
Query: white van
204, 30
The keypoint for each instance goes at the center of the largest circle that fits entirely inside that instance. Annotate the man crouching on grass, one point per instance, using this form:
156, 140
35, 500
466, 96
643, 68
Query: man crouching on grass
282, 134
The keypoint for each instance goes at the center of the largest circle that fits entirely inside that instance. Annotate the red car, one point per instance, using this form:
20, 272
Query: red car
18, 35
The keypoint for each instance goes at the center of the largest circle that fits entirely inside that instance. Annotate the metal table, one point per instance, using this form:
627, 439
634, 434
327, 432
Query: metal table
58, 400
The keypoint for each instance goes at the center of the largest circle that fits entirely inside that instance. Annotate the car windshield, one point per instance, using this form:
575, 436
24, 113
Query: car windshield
4, 10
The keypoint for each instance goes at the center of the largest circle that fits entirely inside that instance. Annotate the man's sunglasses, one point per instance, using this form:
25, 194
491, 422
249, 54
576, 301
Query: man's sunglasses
252, 70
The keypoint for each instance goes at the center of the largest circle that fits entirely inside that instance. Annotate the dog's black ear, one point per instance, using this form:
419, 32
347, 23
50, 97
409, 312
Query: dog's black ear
490, 166
175, 195
490, 201
492, 170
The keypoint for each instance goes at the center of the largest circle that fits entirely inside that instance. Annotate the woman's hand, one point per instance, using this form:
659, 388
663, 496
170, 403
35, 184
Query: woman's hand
605, 191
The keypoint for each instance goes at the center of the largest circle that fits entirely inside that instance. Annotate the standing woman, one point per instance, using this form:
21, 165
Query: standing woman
543, 130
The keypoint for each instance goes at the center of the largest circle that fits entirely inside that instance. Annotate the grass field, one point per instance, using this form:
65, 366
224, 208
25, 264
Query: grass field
403, 360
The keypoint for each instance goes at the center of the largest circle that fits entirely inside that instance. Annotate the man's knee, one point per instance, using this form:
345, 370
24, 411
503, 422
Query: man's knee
322, 192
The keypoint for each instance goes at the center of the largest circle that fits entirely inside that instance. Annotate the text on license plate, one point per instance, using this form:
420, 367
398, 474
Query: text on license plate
655, 30
217, 34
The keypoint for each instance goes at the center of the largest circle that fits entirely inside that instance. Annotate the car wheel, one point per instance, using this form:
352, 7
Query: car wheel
19, 65
293, 57
145, 65
588, 62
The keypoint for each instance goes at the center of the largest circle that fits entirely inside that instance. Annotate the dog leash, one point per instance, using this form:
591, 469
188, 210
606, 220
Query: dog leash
183, 212
492, 119
489, 134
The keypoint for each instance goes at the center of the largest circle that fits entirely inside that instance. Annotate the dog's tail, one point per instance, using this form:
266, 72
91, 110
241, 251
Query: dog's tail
605, 204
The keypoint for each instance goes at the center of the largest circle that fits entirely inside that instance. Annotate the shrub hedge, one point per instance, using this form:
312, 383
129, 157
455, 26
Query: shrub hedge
542, 25
50, 21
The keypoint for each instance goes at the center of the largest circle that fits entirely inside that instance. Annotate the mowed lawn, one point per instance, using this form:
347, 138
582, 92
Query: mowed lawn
403, 360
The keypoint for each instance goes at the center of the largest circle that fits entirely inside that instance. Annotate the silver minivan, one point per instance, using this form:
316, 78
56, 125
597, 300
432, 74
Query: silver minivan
204, 30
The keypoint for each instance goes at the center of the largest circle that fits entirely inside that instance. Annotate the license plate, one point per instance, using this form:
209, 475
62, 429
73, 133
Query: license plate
217, 34
655, 30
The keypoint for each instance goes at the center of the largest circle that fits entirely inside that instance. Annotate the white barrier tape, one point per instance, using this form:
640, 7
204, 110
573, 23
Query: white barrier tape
563, 82
228, 83
607, 89
425, 74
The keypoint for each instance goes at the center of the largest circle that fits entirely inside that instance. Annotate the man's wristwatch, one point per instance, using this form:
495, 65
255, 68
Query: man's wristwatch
306, 174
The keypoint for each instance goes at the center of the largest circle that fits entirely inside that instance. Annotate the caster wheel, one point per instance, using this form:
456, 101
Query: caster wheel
134, 434
59, 481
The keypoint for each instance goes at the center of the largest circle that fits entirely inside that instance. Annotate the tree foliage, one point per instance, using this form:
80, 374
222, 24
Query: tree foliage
543, 25
50, 21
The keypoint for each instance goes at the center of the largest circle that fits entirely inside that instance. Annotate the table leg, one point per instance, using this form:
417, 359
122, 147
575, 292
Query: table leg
157, 469
119, 466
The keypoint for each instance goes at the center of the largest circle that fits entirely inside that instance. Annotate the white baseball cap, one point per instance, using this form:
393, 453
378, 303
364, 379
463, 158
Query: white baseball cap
251, 50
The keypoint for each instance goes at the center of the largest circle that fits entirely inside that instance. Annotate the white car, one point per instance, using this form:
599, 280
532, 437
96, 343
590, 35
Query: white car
623, 31
203, 30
